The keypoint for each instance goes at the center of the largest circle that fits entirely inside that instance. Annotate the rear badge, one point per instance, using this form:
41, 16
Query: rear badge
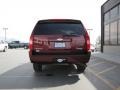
59, 39
60, 60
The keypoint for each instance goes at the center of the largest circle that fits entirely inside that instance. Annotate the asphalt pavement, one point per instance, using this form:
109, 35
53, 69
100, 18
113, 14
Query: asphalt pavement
16, 72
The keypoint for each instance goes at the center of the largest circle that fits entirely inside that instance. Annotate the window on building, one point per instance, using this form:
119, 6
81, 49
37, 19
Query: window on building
114, 14
119, 33
106, 17
113, 33
119, 11
106, 34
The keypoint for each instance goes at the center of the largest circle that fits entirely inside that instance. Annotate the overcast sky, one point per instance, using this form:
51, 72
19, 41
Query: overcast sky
20, 16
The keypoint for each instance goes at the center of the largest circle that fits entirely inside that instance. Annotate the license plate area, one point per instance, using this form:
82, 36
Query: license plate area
59, 45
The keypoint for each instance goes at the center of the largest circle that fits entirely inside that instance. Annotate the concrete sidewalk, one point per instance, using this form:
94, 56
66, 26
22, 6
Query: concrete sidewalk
109, 57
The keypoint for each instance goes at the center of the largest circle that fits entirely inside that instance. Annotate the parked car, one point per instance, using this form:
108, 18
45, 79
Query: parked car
59, 41
14, 44
26, 45
3, 46
92, 47
17, 44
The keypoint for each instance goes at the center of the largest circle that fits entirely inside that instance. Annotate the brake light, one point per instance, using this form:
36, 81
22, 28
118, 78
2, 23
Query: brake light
40, 41
31, 42
87, 43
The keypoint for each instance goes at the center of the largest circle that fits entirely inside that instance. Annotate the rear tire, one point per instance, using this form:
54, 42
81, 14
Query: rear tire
81, 67
5, 49
37, 67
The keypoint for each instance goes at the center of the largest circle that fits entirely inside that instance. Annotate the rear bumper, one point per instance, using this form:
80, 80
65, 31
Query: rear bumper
73, 59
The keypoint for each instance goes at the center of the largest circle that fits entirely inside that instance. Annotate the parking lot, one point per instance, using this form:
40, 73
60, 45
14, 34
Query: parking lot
16, 73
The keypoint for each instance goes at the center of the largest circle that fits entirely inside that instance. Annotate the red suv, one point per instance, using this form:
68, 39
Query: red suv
59, 41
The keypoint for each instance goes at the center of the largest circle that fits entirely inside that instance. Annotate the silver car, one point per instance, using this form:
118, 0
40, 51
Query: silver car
3, 46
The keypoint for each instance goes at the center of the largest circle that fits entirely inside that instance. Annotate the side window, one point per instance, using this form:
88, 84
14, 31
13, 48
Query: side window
113, 32
107, 18
119, 11
106, 34
114, 13
119, 33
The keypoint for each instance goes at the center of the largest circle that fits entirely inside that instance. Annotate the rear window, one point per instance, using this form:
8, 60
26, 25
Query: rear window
58, 28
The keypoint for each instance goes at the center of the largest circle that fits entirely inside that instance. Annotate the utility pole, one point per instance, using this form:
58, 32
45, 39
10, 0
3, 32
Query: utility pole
5, 32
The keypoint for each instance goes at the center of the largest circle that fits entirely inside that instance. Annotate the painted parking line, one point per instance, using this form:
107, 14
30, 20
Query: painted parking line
104, 80
96, 64
106, 70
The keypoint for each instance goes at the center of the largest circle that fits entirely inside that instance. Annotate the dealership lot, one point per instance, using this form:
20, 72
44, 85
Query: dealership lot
16, 73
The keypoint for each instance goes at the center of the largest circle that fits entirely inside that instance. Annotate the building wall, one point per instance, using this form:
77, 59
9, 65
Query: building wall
110, 26
110, 4
112, 50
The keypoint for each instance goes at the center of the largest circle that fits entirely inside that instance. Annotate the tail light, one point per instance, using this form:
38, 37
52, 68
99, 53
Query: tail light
87, 43
40, 41
31, 42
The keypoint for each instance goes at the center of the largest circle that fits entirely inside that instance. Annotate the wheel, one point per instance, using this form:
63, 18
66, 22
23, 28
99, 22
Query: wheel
25, 47
81, 67
37, 67
4, 49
